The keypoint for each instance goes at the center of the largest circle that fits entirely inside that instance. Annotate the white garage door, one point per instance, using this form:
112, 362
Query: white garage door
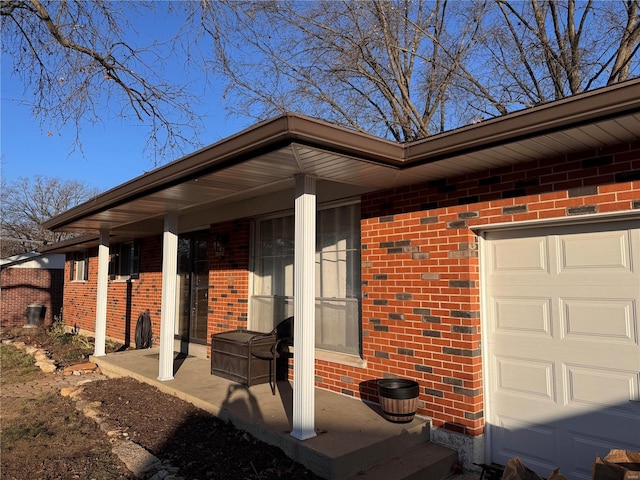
563, 369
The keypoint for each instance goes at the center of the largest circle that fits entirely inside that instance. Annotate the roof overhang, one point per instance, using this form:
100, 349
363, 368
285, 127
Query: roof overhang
33, 260
226, 178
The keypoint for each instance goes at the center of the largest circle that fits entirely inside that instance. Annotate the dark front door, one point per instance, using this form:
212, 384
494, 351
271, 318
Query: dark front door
193, 285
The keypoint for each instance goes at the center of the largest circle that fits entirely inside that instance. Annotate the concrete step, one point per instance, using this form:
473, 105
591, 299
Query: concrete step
427, 461
353, 445
350, 458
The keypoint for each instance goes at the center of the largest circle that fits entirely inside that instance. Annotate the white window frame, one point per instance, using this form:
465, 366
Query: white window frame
279, 305
80, 266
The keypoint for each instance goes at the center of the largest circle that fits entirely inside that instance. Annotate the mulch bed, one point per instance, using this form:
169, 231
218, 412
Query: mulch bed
193, 440
55, 441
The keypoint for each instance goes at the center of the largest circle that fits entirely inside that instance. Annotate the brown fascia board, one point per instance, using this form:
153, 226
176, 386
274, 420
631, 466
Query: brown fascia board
600, 104
71, 244
343, 141
262, 138
571, 112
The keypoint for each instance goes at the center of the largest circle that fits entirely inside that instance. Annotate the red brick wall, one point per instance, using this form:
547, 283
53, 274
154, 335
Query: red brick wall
20, 287
228, 287
126, 300
229, 276
420, 271
79, 307
420, 274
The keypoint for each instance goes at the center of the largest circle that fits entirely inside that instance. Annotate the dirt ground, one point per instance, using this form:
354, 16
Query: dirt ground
45, 436
193, 440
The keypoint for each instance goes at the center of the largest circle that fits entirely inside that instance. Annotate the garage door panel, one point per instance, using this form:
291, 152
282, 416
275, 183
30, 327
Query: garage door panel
604, 388
525, 377
563, 346
541, 440
586, 449
528, 256
522, 315
608, 252
593, 318
544, 444
607, 425
600, 319
606, 432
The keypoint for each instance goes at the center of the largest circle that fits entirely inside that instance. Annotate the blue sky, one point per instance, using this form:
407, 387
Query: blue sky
113, 152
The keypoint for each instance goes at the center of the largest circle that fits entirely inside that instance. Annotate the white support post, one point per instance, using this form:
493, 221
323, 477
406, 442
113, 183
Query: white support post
101, 294
304, 309
169, 285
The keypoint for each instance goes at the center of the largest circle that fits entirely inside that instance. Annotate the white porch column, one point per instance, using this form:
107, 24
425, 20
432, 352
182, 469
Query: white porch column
304, 307
101, 294
169, 283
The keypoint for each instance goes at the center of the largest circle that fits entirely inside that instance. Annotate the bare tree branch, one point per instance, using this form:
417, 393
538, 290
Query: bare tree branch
387, 68
74, 56
28, 202
401, 69
550, 49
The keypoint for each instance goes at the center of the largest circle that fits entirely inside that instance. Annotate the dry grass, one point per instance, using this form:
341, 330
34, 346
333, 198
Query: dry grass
44, 436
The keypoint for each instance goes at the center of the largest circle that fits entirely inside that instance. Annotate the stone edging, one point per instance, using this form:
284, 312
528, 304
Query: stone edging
41, 356
136, 458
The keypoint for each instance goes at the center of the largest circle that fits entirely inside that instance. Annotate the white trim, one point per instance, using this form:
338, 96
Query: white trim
486, 407
336, 357
559, 221
340, 358
253, 242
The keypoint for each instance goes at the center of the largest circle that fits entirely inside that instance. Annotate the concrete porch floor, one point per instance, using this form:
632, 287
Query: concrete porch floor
353, 441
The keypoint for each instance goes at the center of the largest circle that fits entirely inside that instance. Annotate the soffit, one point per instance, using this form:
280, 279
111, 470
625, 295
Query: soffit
593, 137
264, 160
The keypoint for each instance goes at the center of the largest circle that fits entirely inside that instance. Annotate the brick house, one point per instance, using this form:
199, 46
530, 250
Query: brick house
30, 279
497, 265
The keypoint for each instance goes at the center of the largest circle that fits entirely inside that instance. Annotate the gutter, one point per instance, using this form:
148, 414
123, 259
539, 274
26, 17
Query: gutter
264, 137
70, 244
572, 112
287, 129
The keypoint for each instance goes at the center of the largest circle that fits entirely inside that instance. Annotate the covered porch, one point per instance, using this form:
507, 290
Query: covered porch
292, 165
352, 436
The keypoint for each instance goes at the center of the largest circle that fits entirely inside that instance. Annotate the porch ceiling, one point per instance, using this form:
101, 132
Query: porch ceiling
264, 159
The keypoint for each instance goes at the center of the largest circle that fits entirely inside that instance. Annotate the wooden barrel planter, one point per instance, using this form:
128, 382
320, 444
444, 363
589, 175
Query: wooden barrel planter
398, 399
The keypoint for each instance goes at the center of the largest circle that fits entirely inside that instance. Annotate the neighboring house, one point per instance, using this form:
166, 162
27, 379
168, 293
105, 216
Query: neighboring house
31, 279
497, 264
